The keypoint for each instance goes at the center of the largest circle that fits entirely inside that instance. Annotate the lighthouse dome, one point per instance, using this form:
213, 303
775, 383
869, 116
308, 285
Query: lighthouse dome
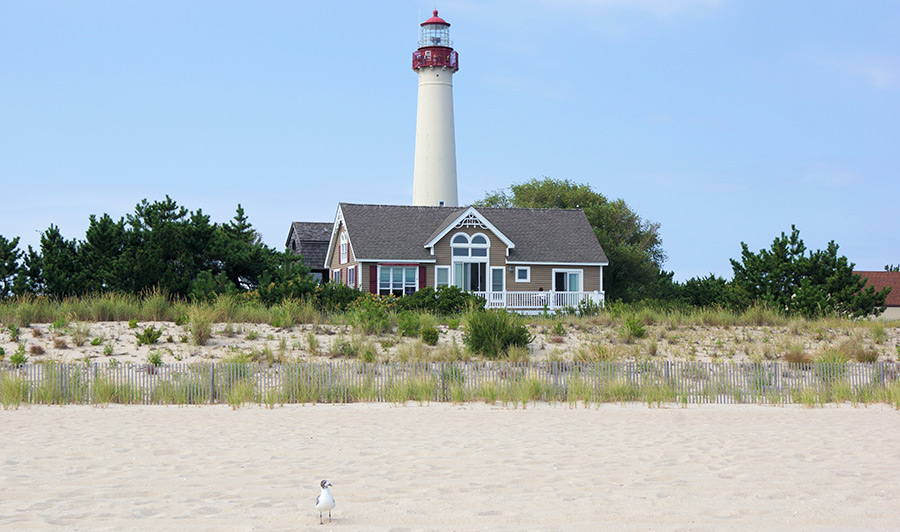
435, 20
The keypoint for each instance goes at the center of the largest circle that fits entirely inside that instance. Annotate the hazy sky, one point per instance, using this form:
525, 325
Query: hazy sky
723, 120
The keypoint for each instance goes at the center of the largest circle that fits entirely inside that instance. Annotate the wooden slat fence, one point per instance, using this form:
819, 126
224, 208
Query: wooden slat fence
340, 382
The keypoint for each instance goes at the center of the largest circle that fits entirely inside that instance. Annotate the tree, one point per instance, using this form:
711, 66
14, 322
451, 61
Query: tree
60, 271
103, 255
632, 245
813, 284
892, 267
289, 278
167, 247
707, 291
9, 265
244, 257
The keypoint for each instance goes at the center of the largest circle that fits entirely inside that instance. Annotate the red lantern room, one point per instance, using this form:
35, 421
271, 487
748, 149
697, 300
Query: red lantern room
435, 46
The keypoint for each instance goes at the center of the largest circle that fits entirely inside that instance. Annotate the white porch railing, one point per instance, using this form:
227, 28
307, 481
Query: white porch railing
539, 300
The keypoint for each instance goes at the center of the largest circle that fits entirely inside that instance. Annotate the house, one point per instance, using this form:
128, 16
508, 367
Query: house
881, 280
310, 240
519, 259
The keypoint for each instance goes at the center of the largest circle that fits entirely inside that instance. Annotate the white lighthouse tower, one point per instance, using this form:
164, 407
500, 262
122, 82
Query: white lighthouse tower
434, 176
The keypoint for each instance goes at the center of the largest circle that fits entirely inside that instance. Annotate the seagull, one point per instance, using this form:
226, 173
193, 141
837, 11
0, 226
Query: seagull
325, 501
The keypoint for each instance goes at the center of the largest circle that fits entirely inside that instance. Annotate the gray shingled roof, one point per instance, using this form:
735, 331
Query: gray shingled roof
312, 239
310, 231
399, 232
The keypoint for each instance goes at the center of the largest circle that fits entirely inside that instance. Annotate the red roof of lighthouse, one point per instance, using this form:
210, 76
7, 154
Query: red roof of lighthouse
435, 20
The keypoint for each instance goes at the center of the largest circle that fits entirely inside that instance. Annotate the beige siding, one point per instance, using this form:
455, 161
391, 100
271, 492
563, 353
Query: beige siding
336, 259
542, 277
497, 253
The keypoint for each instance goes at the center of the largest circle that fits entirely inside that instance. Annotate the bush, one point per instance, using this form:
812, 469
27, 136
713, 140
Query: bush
430, 335
19, 357
155, 358
492, 332
408, 324
444, 301
335, 297
148, 336
632, 329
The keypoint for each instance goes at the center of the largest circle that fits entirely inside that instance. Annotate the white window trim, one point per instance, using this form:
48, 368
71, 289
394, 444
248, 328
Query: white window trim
416, 285
502, 277
454, 260
336, 276
449, 275
568, 270
527, 270
351, 276
344, 248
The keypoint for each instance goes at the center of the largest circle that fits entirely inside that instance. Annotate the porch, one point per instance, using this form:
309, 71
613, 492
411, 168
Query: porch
539, 301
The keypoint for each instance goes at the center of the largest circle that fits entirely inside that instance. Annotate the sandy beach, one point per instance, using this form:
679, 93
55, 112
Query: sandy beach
445, 467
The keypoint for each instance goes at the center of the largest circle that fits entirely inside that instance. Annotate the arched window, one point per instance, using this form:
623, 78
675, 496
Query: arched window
465, 246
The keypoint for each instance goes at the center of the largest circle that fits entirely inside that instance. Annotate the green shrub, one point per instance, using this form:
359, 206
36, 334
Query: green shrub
132, 323
408, 324
491, 332
19, 357
341, 347
632, 329
370, 319
444, 301
148, 336
335, 297
430, 334
60, 326
14, 332
154, 358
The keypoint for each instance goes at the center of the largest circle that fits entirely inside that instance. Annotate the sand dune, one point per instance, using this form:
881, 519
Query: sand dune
444, 467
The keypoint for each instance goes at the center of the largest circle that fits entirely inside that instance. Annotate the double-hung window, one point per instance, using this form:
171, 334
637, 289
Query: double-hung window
351, 277
441, 276
397, 280
345, 248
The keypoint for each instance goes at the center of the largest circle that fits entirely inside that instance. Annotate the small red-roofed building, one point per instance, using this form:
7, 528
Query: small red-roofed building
882, 280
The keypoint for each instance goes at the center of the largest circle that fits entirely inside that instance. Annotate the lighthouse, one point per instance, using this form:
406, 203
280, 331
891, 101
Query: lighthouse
435, 61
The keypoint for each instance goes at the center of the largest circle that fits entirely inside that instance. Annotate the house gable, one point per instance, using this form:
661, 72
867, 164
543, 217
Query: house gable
309, 240
469, 218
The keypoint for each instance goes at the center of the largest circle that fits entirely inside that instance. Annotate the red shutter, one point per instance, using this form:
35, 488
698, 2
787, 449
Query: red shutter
422, 269
373, 278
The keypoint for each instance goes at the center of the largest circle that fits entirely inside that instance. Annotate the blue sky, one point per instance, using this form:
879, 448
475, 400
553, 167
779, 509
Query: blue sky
722, 120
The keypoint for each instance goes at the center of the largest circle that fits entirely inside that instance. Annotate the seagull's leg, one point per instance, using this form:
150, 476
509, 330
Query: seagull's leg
320, 519
329, 516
